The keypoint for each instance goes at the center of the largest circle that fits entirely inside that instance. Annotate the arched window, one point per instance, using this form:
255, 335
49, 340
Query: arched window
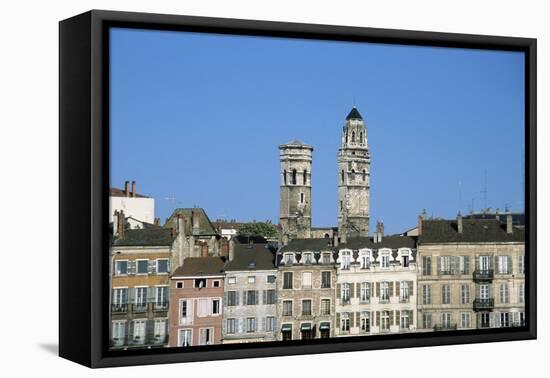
364, 175
301, 197
342, 176
305, 177
352, 174
353, 137
361, 137
284, 176
346, 136
293, 177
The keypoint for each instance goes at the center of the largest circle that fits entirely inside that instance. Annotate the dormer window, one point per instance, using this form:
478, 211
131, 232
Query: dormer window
308, 258
325, 257
404, 257
288, 258
345, 259
385, 259
365, 259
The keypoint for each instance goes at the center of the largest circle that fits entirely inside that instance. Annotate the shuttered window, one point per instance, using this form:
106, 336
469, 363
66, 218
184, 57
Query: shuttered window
521, 293
446, 294
306, 307
465, 294
426, 294
325, 306
325, 280
231, 298
504, 295
287, 280
426, 265
384, 291
142, 266
504, 264
287, 308
230, 327
306, 280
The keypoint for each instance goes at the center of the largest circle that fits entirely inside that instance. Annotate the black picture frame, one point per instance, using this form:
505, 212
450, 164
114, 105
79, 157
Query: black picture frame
84, 185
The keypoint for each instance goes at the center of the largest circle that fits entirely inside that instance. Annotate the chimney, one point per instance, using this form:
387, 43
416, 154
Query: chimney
231, 249
335, 240
115, 223
224, 247
420, 224
459, 223
195, 219
121, 222
509, 223
204, 249
127, 188
344, 237
157, 221
497, 215
133, 188
180, 224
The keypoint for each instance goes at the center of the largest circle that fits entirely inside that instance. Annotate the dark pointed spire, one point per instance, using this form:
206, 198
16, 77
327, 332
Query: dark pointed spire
354, 114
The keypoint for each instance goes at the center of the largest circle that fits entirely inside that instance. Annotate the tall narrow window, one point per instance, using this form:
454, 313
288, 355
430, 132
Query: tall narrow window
293, 177
301, 197
353, 175
346, 137
364, 175
305, 177
284, 176
353, 137
361, 137
342, 176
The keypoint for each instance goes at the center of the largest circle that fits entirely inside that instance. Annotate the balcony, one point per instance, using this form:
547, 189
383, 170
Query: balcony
445, 327
119, 308
484, 304
161, 306
485, 275
345, 300
139, 307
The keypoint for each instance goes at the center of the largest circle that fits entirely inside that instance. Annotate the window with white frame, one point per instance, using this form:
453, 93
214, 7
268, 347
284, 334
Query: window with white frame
445, 294
325, 280
345, 292
306, 307
404, 320
120, 296
365, 321
465, 320
405, 256
121, 267
345, 259
426, 294
216, 308
118, 332
504, 264
161, 296
365, 292
185, 337
484, 291
139, 331
287, 280
384, 259
270, 296
325, 257
270, 324
505, 319
251, 279
385, 320
365, 259
141, 297
162, 266
287, 308
250, 324
186, 311
404, 291
231, 298
426, 265
427, 320
521, 293
160, 329
484, 263
344, 322
464, 294
231, 280
504, 295
521, 264
230, 326
271, 278
206, 336
306, 280
307, 258
325, 306
142, 266
444, 265
446, 320
384, 291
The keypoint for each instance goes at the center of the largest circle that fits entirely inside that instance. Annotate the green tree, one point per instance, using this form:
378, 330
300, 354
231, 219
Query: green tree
267, 230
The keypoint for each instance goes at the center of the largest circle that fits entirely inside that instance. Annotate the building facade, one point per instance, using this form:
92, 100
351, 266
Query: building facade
250, 306
133, 204
353, 179
376, 285
471, 274
196, 297
305, 299
140, 271
295, 190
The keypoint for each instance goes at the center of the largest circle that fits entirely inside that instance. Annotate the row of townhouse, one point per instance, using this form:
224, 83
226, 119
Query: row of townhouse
454, 274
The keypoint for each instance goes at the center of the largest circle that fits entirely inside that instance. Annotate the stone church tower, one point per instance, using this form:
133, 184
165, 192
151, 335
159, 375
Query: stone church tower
353, 178
295, 191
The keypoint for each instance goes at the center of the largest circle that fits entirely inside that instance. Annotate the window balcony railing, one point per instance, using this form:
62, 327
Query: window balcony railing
484, 304
404, 299
139, 307
160, 306
445, 327
345, 300
384, 300
484, 275
119, 308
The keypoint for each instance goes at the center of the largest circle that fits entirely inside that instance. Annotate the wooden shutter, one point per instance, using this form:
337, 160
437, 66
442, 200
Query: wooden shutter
351, 290
397, 288
509, 258
358, 319
338, 290
411, 288
466, 265
438, 265
411, 317
338, 325
152, 266
378, 290
392, 319
398, 318
351, 319
429, 263
257, 297
390, 289
357, 289
378, 318
132, 267
264, 296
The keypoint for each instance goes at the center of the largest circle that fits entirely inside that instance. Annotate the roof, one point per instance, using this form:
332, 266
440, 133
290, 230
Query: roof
206, 228
243, 239
393, 242
116, 192
155, 236
317, 244
296, 143
251, 257
473, 231
200, 266
354, 114
518, 219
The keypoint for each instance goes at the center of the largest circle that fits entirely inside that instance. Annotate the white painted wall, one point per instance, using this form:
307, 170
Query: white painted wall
139, 208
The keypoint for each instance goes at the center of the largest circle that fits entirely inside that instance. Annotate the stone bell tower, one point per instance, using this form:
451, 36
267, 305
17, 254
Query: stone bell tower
295, 191
353, 178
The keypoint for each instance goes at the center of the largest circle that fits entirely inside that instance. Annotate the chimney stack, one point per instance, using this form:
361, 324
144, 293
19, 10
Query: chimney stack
157, 221
459, 223
133, 188
127, 188
509, 223
115, 223
195, 219
335, 240
121, 222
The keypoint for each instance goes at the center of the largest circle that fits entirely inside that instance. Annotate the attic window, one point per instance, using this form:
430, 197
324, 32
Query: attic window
252, 264
200, 283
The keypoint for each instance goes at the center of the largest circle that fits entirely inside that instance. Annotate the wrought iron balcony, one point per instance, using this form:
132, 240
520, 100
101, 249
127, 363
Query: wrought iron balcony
160, 306
119, 308
485, 275
484, 304
139, 307
445, 327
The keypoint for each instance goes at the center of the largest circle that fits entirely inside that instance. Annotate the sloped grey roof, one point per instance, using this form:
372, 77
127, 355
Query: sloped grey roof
354, 114
155, 236
206, 228
393, 242
473, 231
251, 257
299, 245
200, 266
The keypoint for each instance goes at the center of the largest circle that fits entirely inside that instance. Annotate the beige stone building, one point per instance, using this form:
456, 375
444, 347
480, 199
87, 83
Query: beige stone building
376, 285
305, 299
471, 274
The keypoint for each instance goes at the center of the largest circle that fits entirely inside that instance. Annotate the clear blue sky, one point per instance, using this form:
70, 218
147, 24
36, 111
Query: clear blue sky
197, 120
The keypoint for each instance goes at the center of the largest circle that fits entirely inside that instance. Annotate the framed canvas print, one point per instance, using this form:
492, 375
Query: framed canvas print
235, 188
